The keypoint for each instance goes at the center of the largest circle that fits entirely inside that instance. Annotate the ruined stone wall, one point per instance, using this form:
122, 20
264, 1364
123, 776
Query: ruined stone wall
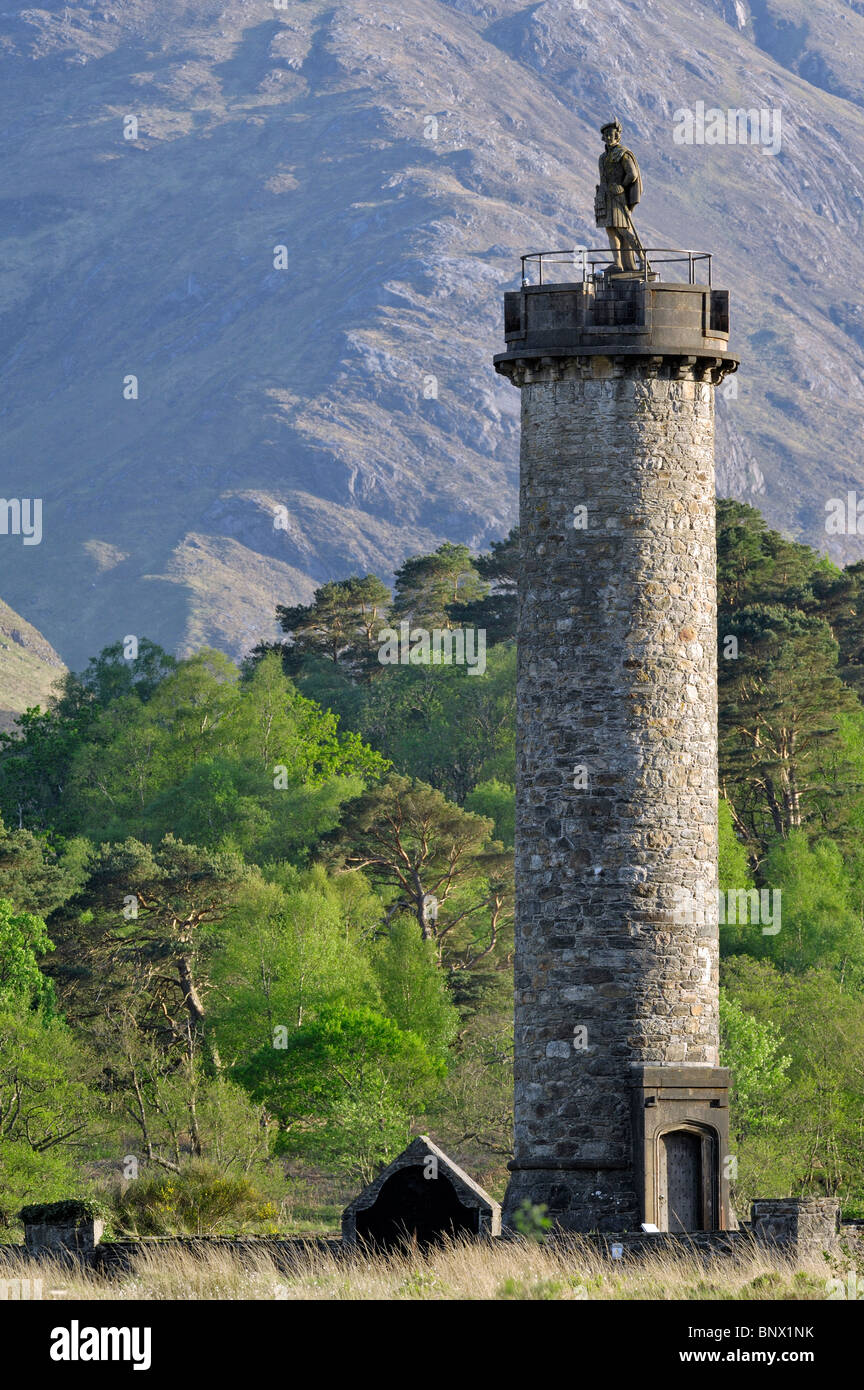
810, 1223
616, 846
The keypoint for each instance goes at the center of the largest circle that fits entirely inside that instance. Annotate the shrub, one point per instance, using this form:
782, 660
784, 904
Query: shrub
72, 1212
200, 1200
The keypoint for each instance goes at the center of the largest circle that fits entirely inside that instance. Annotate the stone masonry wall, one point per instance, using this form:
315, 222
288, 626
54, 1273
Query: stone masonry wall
616, 878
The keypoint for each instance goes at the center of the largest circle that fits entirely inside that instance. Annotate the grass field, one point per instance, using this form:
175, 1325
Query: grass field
511, 1270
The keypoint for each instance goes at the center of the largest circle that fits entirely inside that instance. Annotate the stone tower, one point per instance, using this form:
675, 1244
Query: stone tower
621, 1108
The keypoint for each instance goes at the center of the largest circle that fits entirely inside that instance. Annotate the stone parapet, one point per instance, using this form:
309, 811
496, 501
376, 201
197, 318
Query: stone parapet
616, 315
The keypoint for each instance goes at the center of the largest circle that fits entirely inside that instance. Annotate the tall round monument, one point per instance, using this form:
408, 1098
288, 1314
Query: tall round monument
621, 1108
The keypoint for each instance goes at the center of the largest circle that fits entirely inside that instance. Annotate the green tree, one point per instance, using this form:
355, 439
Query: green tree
37, 876
817, 1145
287, 954
430, 590
23, 939
250, 765
475, 1109
444, 725
497, 801
781, 707
495, 613
413, 991
48, 1112
345, 1089
838, 597
433, 860
752, 1049
756, 565
139, 949
138, 750
341, 623
37, 755
35, 758
171, 1111
112, 675
822, 908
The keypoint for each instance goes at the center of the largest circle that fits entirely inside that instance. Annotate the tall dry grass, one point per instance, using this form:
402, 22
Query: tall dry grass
506, 1269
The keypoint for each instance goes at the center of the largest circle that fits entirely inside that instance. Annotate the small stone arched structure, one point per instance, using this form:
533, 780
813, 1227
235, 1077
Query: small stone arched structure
421, 1196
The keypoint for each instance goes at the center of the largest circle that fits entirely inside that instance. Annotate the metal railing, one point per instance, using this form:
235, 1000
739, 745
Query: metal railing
586, 259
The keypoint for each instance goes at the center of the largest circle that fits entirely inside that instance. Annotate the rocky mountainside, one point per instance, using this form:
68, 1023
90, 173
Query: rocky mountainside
29, 667
328, 408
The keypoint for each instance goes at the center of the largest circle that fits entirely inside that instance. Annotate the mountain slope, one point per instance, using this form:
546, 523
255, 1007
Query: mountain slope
29, 667
297, 424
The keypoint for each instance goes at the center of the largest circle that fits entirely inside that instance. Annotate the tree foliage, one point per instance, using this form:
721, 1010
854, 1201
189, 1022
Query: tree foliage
280, 895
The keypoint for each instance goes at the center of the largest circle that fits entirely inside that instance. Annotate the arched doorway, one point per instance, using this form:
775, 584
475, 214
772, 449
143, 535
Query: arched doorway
682, 1180
689, 1101
410, 1206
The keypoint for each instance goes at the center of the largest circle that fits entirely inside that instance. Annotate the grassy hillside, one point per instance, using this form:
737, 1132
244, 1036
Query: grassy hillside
29, 666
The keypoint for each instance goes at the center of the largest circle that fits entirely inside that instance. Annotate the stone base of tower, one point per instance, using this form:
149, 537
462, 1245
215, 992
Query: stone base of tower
677, 1179
575, 1198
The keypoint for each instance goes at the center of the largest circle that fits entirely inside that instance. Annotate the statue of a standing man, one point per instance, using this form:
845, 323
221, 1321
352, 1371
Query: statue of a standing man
619, 190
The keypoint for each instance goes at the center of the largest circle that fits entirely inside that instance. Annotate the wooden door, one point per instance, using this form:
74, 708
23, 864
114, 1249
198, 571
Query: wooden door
681, 1179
